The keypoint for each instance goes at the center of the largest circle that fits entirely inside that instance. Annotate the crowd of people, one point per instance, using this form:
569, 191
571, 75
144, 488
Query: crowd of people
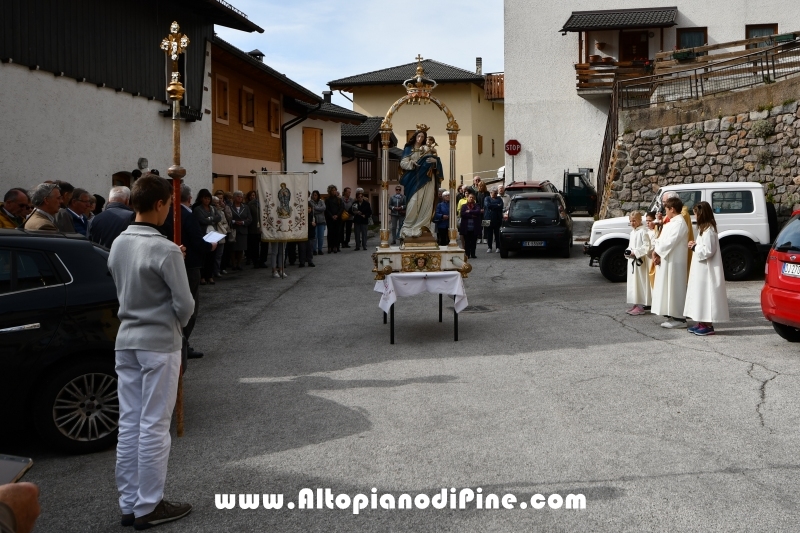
674, 274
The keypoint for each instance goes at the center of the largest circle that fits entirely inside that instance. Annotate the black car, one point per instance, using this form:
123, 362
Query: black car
58, 323
536, 221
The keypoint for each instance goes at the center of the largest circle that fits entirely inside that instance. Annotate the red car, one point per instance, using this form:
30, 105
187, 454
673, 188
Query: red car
780, 297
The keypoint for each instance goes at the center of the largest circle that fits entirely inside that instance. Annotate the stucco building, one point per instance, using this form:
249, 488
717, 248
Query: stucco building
480, 145
558, 58
88, 109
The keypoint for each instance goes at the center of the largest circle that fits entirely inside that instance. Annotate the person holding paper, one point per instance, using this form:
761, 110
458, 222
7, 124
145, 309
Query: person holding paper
208, 217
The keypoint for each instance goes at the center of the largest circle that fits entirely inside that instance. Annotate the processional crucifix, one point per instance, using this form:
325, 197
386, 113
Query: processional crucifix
174, 45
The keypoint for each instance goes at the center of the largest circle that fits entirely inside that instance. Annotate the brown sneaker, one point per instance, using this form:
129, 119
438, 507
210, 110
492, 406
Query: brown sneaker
163, 513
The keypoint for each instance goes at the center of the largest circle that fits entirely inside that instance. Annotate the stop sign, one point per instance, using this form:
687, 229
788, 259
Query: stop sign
513, 147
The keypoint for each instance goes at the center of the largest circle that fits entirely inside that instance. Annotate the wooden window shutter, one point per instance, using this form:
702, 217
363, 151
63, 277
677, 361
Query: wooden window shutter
312, 145
242, 107
480, 144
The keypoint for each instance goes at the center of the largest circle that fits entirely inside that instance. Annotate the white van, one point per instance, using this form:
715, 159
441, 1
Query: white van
744, 220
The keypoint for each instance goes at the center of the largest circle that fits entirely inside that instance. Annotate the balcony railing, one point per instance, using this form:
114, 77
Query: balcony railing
678, 60
761, 66
494, 86
599, 77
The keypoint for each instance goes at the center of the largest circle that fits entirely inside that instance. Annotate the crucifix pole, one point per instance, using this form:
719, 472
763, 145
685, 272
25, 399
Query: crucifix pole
174, 45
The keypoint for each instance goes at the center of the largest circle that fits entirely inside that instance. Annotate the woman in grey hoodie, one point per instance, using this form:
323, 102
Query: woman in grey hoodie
318, 206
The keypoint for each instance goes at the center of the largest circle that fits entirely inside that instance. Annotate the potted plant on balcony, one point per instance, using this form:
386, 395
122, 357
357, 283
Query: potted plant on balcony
683, 55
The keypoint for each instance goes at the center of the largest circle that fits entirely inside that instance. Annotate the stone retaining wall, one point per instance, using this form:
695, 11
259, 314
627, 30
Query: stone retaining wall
760, 146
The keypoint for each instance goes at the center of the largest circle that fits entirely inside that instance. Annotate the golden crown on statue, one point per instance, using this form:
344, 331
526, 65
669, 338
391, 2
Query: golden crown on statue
419, 87
423, 127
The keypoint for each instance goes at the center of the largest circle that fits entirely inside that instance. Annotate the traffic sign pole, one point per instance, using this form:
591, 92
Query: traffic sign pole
513, 147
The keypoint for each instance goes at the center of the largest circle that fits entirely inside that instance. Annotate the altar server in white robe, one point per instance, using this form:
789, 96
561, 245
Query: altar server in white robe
638, 264
706, 297
670, 254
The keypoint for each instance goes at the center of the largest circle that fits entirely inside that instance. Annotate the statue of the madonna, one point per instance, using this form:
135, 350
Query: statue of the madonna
420, 181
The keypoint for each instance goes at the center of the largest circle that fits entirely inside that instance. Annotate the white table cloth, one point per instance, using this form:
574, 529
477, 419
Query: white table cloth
412, 283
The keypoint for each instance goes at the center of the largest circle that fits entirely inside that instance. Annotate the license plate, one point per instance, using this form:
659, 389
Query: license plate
791, 269
533, 243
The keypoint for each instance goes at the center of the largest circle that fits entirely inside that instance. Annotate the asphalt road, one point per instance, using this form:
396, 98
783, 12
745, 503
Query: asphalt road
551, 388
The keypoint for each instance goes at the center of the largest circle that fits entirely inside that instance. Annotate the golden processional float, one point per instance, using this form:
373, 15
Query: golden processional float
423, 253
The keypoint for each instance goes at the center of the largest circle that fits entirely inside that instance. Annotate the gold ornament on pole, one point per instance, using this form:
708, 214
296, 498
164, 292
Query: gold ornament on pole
174, 45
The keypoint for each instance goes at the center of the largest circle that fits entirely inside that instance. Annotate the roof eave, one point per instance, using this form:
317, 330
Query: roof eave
288, 86
610, 28
226, 15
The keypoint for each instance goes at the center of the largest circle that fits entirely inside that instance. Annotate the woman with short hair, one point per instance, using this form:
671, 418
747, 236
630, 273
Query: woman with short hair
240, 220
208, 217
333, 218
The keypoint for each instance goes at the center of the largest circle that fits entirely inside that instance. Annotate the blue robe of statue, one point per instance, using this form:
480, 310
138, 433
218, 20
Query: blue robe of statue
416, 178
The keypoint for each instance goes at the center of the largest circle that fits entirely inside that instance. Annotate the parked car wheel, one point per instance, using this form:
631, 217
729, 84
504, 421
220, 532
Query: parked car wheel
566, 249
503, 252
613, 264
737, 262
787, 332
77, 408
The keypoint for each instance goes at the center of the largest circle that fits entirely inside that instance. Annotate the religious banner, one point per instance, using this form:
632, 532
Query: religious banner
283, 203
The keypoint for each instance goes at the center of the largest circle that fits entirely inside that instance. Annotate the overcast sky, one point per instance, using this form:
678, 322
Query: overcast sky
316, 41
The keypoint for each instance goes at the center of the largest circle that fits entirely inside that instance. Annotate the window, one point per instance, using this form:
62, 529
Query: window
5, 271
312, 145
25, 270
523, 209
760, 30
691, 37
732, 202
247, 111
480, 144
275, 117
492, 147
222, 100
690, 198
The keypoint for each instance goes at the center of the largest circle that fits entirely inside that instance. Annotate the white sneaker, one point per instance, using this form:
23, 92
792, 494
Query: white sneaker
673, 324
285, 275
275, 275
488, 250
497, 250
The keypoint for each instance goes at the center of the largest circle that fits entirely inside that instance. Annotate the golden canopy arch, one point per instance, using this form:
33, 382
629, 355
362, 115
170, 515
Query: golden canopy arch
418, 91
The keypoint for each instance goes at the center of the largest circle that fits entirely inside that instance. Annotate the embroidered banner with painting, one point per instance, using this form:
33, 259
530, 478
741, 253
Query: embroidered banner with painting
283, 203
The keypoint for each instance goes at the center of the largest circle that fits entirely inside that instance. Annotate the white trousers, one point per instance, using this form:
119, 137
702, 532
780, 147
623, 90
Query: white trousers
147, 388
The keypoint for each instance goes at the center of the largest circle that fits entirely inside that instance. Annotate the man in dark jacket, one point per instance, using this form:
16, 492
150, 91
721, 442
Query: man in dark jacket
196, 248
105, 227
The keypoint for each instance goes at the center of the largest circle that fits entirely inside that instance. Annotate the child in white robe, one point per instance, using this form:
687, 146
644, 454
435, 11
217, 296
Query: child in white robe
706, 297
670, 255
638, 290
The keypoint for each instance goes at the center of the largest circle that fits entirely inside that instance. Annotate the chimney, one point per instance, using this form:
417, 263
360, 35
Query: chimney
256, 54
479, 66
326, 95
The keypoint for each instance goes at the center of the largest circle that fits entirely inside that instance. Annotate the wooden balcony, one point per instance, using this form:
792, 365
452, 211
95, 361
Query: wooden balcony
494, 86
597, 78
689, 58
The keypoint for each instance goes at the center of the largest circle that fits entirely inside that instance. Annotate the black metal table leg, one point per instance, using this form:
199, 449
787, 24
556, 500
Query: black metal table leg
384, 317
391, 326
455, 321
440, 307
